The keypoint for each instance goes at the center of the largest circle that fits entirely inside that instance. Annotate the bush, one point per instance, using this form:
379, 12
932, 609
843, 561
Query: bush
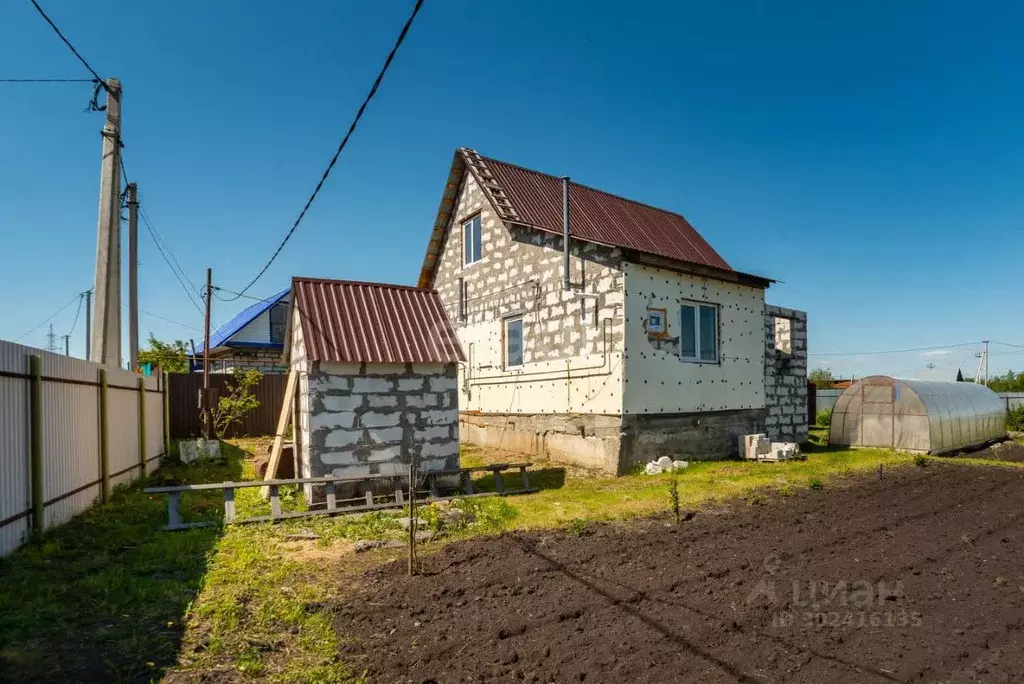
1015, 419
823, 418
816, 484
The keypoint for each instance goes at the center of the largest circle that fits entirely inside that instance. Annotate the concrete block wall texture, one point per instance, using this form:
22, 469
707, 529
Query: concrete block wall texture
785, 374
371, 419
573, 350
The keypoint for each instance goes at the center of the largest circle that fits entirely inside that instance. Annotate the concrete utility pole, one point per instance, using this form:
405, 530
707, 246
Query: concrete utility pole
133, 276
106, 343
986, 362
206, 356
67, 345
88, 322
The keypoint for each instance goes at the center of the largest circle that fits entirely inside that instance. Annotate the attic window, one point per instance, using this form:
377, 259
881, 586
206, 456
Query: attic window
472, 241
278, 323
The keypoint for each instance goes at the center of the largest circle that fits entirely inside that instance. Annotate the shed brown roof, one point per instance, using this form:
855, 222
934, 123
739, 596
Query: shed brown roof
356, 322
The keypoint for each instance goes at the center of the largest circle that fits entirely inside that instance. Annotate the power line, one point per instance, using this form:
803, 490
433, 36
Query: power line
48, 319
71, 47
180, 277
1007, 344
78, 312
169, 320
899, 351
47, 80
341, 146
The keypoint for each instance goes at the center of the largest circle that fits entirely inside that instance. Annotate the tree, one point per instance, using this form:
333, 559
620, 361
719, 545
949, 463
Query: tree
959, 375
822, 378
240, 400
169, 356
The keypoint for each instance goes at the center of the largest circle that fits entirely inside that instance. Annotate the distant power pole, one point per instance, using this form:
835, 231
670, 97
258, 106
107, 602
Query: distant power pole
106, 343
88, 321
133, 276
51, 340
986, 362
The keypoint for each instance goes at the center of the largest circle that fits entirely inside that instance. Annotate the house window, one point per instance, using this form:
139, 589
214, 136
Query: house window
278, 323
698, 333
472, 240
513, 342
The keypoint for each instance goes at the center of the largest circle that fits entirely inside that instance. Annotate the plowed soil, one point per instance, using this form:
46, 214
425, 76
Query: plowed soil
786, 591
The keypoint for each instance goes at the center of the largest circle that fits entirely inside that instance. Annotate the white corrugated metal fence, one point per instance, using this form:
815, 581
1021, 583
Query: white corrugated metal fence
70, 444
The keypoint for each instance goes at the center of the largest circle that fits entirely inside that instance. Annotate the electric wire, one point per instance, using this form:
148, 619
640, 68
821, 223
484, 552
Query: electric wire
899, 351
48, 319
47, 80
341, 146
180, 277
78, 312
67, 42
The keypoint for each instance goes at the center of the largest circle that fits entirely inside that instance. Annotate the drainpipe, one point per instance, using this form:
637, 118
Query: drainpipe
566, 284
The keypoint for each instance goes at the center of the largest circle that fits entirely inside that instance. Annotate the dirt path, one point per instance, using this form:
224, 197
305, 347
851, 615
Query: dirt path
783, 592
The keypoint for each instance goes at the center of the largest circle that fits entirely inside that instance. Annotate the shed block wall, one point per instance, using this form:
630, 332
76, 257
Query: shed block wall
785, 373
706, 436
370, 419
572, 345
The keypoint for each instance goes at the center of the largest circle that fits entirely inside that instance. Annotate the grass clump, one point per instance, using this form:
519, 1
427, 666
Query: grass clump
922, 461
816, 484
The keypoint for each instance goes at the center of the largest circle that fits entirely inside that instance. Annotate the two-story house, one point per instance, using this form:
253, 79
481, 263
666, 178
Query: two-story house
637, 341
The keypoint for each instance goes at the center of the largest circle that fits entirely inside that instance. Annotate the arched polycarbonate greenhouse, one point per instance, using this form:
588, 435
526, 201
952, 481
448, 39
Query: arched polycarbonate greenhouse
916, 415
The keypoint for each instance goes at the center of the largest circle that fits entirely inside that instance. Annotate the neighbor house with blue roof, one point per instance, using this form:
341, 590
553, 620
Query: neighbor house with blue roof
252, 339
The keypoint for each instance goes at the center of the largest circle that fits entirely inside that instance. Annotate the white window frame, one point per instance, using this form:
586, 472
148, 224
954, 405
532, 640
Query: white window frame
696, 332
522, 341
469, 255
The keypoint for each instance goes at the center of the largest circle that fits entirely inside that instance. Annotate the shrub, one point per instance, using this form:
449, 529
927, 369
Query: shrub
578, 527
1015, 419
823, 417
673, 497
816, 484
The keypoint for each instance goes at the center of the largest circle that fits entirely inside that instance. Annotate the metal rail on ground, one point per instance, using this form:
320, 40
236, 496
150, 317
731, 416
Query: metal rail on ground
371, 502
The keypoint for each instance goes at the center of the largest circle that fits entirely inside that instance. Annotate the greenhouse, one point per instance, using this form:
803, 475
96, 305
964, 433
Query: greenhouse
916, 415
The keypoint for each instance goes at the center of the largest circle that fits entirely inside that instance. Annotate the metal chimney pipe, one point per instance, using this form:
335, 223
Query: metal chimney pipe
566, 282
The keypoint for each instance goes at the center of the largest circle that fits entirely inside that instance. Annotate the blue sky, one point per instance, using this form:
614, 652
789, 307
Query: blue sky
868, 155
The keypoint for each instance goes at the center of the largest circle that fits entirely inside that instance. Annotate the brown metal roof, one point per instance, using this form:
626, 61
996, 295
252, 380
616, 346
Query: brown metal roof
535, 198
356, 322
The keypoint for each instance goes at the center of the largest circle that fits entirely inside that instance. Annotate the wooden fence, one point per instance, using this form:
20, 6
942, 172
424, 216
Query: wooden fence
70, 431
185, 417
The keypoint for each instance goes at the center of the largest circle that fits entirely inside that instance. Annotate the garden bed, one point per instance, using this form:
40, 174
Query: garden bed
726, 596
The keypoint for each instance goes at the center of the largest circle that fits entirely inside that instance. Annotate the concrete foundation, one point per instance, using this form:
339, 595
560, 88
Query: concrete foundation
613, 444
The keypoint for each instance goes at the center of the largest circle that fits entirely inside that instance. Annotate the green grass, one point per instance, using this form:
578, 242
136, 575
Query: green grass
109, 597
565, 497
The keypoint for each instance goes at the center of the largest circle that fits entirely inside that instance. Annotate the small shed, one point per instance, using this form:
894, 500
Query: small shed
377, 378
916, 415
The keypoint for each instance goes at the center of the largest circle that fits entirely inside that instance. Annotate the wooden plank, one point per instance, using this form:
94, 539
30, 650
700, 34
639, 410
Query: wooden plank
282, 425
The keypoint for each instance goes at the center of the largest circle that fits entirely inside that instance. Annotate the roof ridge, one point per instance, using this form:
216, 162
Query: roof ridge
337, 281
588, 187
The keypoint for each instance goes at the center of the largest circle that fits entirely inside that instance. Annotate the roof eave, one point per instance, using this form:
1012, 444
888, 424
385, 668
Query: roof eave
702, 270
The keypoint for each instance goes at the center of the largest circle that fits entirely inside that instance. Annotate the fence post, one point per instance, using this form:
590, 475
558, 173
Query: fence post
142, 427
35, 366
104, 456
167, 414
